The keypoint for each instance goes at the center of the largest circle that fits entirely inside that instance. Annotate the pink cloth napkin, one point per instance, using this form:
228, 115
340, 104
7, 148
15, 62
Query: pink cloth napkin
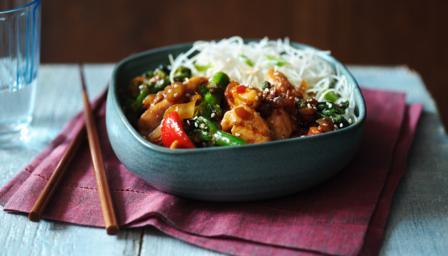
343, 216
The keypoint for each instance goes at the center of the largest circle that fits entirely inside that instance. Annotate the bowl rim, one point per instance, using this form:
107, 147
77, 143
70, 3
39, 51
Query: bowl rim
112, 95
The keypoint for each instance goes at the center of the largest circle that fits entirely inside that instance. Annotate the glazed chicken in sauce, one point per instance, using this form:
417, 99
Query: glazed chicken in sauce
197, 111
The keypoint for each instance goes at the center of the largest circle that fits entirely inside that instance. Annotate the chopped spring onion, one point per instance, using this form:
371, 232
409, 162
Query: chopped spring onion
202, 68
278, 61
331, 96
246, 60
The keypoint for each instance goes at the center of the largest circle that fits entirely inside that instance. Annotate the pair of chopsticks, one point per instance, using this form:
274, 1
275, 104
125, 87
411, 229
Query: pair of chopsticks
107, 209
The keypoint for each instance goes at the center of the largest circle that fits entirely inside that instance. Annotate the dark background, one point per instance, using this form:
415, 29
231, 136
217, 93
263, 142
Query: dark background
413, 33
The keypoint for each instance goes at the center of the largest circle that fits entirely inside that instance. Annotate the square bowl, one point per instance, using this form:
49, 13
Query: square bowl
239, 173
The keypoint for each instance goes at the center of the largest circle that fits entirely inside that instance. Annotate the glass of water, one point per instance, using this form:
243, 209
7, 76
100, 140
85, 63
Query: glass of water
19, 62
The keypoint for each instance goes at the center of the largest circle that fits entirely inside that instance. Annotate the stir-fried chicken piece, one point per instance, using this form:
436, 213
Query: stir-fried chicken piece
151, 118
246, 123
324, 125
237, 95
192, 84
278, 105
281, 124
281, 94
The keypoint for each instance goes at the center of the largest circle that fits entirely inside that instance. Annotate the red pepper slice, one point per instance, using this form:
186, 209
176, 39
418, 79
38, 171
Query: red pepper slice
172, 131
241, 89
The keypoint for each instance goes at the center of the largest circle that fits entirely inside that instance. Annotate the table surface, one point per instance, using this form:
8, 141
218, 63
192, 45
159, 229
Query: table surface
417, 225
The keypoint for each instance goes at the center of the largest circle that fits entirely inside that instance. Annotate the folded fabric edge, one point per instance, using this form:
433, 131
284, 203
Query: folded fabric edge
229, 245
375, 234
168, 228
8, 190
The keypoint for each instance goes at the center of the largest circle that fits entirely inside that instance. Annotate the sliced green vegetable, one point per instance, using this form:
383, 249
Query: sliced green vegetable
226, 139
206, 131
277, 60
203, 89
212, 95
149, 74
344, 104
181, 73
138, 103
202, 68
331, 96
266, 85
246, 60
210, 99
210, 107
158, 85
157, 79
160, 72
334, 111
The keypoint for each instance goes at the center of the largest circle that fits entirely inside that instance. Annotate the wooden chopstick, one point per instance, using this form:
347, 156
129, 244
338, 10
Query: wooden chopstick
110, 220
55, 178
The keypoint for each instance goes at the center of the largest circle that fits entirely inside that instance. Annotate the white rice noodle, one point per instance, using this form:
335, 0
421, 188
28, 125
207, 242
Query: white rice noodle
249, 64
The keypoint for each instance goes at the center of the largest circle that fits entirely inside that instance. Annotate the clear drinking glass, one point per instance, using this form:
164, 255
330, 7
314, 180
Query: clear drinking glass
19, 62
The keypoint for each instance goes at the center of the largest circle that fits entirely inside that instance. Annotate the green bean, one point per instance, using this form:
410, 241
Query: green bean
207, 131
210, 106
181, 73
226, 139
220, 80
138, 103
211, 99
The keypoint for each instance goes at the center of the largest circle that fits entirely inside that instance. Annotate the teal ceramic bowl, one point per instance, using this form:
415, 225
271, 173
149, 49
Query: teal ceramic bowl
249, 172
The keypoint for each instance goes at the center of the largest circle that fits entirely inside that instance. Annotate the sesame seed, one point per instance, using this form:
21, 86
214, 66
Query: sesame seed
212, 114
237, 134
341, 125
350, 120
